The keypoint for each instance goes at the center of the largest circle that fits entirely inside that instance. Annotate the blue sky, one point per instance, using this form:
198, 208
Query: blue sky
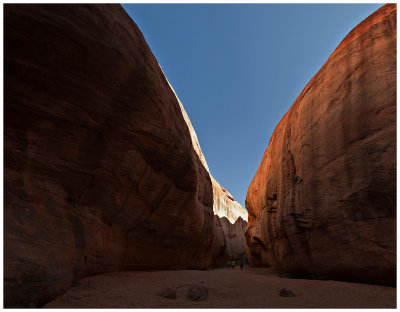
237, 69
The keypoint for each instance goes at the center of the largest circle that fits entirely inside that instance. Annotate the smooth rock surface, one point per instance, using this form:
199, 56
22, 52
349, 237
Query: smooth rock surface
100, 169
322, 203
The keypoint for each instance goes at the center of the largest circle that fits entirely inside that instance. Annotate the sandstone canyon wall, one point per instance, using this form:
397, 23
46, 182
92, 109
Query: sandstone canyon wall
225, 205
233, 235
230, 217
101, 172
322, 203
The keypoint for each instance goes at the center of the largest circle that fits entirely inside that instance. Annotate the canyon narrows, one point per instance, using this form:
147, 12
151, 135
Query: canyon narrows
103, 173
322, 203
102, 168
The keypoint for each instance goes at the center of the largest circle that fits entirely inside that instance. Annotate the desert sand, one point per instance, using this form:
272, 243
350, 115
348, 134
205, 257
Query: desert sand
250, 288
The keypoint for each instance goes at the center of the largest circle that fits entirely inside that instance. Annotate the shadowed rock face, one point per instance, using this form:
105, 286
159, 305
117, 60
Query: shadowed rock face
323, 201
101, 173
234, 246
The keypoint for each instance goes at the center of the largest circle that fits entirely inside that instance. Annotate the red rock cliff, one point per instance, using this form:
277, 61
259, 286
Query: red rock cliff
101, 173
323, 200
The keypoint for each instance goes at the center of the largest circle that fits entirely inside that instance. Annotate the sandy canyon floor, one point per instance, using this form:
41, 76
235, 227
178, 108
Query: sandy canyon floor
250, 288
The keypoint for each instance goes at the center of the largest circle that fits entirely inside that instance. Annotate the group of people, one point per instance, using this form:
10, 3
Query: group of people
231, 264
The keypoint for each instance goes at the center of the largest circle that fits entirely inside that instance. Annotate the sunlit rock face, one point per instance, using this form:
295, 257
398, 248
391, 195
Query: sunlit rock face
225, 205
322, 203
230, 216
101, 172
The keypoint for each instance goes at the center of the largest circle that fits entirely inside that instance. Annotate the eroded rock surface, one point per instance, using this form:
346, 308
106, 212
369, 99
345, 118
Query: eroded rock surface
101, 173
230, 217
233, 237
323, 201
225, 205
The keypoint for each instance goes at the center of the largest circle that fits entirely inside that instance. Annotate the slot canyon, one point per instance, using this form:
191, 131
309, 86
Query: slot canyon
103, 171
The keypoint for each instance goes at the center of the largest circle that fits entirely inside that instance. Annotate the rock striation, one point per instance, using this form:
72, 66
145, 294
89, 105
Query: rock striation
322, 203
225, 205
101, 172
233, 236
230, 217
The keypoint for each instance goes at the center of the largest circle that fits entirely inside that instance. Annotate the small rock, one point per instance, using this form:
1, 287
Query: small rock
197, 293
286, 293
167, 293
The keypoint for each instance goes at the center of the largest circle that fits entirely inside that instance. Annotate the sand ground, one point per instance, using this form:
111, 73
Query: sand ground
250, 288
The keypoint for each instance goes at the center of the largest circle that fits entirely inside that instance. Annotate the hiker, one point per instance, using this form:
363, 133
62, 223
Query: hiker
233, 264
241, 265
228, 264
